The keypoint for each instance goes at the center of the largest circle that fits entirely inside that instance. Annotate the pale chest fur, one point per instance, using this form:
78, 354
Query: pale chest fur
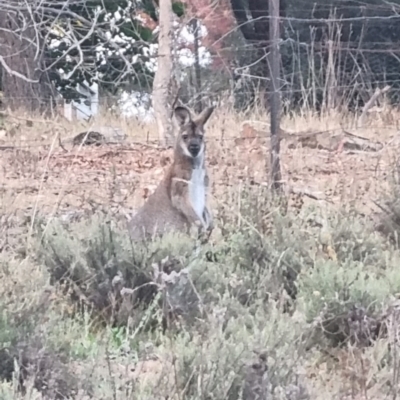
197, 191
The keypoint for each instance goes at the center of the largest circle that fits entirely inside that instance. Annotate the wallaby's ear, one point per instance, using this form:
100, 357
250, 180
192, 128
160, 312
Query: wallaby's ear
182, 116
204, 116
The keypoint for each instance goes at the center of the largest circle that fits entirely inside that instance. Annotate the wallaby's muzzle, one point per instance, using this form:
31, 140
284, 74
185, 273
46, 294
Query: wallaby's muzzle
194, 149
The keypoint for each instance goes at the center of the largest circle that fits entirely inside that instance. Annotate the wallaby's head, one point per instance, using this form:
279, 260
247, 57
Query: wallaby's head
190, 131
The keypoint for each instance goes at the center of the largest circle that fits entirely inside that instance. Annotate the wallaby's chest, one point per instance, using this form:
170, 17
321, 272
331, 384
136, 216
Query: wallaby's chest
197, 190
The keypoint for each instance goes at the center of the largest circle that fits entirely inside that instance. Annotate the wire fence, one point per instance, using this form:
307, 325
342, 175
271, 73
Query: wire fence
333, 54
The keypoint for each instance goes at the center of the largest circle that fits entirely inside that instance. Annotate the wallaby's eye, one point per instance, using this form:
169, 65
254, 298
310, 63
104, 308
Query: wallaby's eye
185, 136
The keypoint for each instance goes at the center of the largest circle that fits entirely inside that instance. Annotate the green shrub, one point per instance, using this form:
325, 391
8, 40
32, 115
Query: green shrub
101, 268
243, 357
27, 355
389, 203
346, 299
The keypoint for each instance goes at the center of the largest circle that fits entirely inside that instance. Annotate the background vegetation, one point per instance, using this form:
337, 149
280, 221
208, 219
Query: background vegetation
334, 53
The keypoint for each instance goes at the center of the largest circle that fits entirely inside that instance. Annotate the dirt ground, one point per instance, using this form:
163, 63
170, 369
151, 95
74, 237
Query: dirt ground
37, 173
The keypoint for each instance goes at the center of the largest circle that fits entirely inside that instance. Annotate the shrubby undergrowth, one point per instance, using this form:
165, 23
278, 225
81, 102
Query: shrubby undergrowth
251, 314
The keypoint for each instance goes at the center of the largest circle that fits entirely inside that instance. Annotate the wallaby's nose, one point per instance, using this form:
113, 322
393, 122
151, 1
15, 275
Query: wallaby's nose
194, 149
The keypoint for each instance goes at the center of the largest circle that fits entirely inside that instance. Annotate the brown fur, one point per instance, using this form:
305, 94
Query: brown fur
169, 208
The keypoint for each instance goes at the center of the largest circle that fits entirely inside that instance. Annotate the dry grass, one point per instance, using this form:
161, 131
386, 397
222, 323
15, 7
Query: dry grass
37, 171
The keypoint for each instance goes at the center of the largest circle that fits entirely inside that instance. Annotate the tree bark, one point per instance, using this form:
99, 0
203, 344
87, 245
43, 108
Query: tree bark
197, 70
23, 82
163, 79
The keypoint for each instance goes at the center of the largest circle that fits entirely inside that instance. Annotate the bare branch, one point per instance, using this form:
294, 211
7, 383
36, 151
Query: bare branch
30, 12
77, 44
15, 73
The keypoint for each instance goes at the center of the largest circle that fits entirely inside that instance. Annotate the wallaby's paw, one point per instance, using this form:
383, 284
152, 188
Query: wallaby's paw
198, 224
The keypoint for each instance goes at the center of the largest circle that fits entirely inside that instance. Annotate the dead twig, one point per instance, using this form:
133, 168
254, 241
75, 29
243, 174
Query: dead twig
369, 104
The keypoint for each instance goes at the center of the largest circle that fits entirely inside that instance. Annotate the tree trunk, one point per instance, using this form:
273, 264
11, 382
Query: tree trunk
275, 101
197, 70
162, 85
23, 83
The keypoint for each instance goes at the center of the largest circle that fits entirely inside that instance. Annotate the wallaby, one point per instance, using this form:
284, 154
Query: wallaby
180, 200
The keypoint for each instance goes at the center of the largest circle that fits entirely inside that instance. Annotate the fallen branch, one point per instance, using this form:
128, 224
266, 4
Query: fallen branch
305, 192
369, 104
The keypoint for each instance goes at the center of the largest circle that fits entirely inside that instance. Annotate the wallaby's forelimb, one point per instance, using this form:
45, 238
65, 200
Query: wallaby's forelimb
179, 199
